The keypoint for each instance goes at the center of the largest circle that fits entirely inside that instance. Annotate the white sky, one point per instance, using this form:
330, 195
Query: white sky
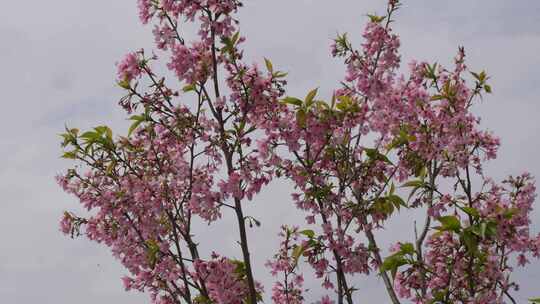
57, 66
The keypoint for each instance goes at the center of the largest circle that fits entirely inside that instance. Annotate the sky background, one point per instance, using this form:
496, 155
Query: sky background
57, 67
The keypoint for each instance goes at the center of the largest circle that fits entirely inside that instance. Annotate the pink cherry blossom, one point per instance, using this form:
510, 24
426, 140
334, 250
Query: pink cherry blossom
203, 145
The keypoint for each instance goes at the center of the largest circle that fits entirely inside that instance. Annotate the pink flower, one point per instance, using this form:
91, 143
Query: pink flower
129, 68
145, 10
192, 64
222, 281
325, 300
66, 225
522, 260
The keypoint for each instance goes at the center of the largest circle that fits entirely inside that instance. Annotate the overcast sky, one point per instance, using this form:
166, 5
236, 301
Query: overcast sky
57, 67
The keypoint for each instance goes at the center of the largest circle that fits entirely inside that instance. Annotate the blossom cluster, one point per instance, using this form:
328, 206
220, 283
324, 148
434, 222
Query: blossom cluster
350, 159
223, 279
286, 262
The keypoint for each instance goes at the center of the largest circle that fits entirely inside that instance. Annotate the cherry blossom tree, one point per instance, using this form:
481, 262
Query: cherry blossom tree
210, 140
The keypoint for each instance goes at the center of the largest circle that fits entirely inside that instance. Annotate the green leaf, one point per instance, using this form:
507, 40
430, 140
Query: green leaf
234, 39
240, 128
487, 87
298, 250
200, 299
438, 296
392, 263
470, 241
269, 65
375, 18
103, 130
421, 172
74, 131
137, 120
322, 105
535, 300
230, 42
371, 153
431, 70
398, 201
483, 76
508, 214
413, 183
102, 135
240, 268
109, 134
280, 74
402, 139
90, 135
124, 84
70, 155
134, 126
450, 223
483, 229
344, 103
383, 205
111, 167
411, 194
310, 96
374, 154
301, 118
152, 252
407, 248
471, 211
189, 88
308, 232
491, 229
292, 101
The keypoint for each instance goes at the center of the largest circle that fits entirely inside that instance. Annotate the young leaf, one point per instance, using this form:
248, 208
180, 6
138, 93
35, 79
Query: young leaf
437, 97
508, 214
70, 155
413, 183
234, 39
90, 137
301, 118
376, 19
480, 229
471, 211
470, 241
240, 268
200, 299
450, 223
407, 248
297, 252
279, 74
124, 84
374, 154
188, 88
269, 65
491, 229
308, 232
398, 201
310, 96
152, 252
392, 263
292, 101
392, 188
